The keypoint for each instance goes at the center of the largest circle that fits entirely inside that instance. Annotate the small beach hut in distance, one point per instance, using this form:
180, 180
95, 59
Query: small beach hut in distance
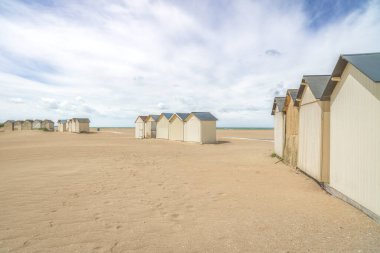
18, 125
354, 95
177, 125
37, 124
200, 127
279, 125
80, 125
162, 131
9, 125
291, 128
62, 125
151, 126
48, 124
27, 125
314, 128
140, 127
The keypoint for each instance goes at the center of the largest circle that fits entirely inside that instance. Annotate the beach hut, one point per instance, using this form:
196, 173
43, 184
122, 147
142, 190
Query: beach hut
140, 127
291, 128
200, 127
279, 125
27, 125
80, 125
9, 125
176, 126
150, 126
18, 125
37, 124
163, 126
68, 125
354, 95
48, 124
62, 125
313, 132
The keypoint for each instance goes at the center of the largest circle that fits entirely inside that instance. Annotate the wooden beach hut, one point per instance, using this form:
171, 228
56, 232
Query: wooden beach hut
177, 125
279, 125
140, 127
200, 127
291, 128
27, 125
48, 124
80, 125
163, 126
37, 124
354, 95
9, 125
62, 125
151, 126
18, 125
313, 134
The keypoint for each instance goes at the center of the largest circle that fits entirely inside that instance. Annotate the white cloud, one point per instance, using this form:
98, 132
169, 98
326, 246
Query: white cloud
16, 100
112, 60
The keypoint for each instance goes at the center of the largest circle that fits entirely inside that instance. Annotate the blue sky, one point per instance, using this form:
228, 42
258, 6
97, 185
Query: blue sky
112, 60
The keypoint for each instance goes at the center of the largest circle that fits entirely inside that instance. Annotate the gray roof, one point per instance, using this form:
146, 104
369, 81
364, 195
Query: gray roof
155, 117
62, 121
29, 120
317, 84
293, 93
280, 102
368, 64
82, 120
204, 116
142, 117
167, 115
181, 115
9, 121
37, 120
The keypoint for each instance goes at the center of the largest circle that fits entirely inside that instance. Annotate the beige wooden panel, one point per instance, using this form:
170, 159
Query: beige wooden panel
291, 134
139, 129
308, 96
192, 131
279, 133
83, 127
176, 129
208, 132
310, 140
355, 139
162, 128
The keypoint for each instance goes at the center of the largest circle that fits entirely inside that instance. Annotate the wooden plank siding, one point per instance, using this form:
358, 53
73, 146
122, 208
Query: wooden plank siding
355, 138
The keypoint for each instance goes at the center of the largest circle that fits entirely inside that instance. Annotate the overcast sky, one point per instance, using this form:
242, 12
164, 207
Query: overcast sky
112, 60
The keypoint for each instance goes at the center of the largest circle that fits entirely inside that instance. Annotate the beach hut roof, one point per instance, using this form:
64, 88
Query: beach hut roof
316, 83
37, 120
29, 120
368, 64
48, 120
293, 93
82, 120
280, 102
9, 121
154, 117
166, 115
62, 121
203, 116
141, 117
182, 116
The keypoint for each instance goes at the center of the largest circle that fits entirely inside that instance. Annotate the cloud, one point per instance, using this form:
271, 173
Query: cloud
113, 60
272, 52
16, 100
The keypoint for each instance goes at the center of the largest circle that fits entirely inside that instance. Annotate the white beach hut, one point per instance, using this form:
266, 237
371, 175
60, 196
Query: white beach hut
150, 126
140, 127
37, 124
354, 94
80, 125
279, 125
176, 126
313, 132
62, 125
200, 127
291, 128
162, 131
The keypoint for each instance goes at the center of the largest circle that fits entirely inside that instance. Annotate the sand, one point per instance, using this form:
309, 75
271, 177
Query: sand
108, 192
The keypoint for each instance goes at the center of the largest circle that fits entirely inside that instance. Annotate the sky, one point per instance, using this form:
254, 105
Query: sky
112, 60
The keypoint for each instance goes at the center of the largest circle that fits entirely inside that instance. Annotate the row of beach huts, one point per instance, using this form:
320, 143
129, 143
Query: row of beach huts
74, 125
197, 127
329, 128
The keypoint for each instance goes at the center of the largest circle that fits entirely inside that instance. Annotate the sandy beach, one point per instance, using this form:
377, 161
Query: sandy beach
109, 192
